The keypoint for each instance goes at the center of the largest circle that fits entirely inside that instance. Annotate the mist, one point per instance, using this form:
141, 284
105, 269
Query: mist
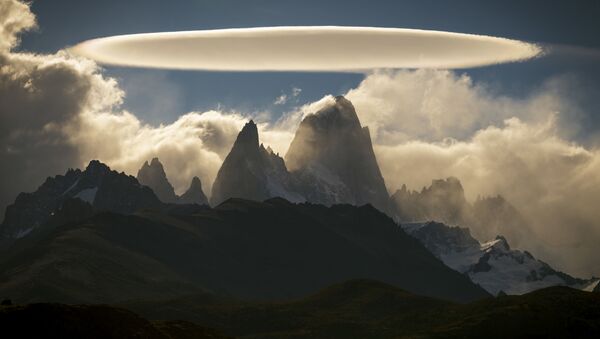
435, 124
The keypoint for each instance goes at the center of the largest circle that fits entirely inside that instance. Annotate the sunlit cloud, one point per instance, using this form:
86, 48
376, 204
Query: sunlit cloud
305, 48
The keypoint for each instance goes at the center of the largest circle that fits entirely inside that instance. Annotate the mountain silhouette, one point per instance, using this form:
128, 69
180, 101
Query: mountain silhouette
251, 171
247, 249
153, 175
98, 185
194, 194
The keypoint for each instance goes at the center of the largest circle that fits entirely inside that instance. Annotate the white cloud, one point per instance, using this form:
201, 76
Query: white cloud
290, 120
38, 95
281, 100
284, 98
305, 48
296, 91
433, 105
15, 17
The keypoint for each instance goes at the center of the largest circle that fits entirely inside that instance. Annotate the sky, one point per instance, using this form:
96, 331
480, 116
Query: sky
65, 23
526, 130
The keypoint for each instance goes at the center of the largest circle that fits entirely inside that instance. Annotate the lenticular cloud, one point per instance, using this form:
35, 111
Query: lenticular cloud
303, 48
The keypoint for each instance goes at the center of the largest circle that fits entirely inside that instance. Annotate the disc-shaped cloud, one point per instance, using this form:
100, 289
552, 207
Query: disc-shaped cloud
302, 48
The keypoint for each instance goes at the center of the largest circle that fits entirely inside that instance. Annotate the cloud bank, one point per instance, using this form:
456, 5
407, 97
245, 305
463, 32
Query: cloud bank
433, 124
305, 48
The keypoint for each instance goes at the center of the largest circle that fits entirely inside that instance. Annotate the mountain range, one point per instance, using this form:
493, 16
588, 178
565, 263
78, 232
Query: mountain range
277, 228
266, 250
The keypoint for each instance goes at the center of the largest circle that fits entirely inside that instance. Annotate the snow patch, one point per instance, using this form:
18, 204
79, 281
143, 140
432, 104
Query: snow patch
23, 233
88, 195
276, 189
591, 286
70, 188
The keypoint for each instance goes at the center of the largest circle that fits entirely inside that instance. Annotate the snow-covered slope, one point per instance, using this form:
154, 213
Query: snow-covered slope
493, 265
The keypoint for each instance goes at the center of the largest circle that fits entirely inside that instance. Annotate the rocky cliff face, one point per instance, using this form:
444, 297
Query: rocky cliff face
333, 159
251, 171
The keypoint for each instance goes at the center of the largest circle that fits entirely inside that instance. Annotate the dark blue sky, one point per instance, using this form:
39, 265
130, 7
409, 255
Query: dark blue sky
66, 22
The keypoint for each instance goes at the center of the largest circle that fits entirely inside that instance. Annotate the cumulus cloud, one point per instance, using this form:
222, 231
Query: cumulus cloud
15, 17
305, 48
436, 104
194, 145
38, 95
59, 111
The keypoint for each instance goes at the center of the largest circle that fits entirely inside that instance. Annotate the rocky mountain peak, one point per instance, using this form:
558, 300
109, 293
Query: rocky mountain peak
194, 194
155, 163
196, 183
248, 136
501, 243
153, 175
340, 115
96, 167
333, 154
450, 187
251, 171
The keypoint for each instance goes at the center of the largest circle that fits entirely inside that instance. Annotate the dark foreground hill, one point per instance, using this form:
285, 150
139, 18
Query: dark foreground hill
369, 309
91, 321
354, 309
246, 249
